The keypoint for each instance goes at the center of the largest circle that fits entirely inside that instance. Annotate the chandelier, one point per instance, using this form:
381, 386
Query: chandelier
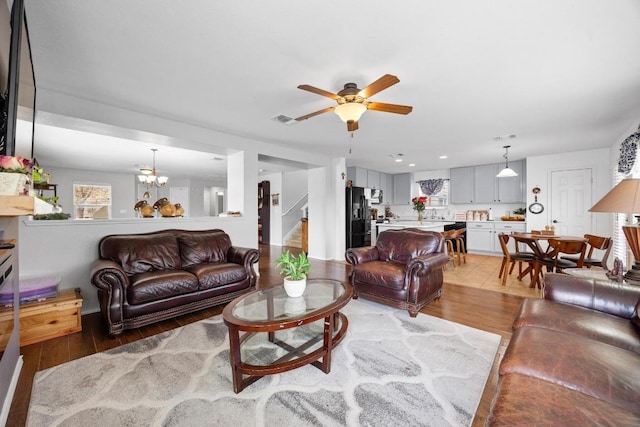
149, 176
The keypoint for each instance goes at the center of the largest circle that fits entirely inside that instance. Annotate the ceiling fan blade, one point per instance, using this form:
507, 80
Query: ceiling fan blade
316, 113
389, 108
317, 91
351, 125
380, 84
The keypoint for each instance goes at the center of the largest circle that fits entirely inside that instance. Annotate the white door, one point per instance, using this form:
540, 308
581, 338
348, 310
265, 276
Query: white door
180, 195
571, 201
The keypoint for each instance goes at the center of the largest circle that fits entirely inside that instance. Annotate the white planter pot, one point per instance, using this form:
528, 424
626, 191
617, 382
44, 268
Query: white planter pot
12, 184
294, 288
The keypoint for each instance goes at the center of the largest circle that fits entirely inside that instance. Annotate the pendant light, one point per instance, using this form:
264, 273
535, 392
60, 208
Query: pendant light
507, 172
149, 176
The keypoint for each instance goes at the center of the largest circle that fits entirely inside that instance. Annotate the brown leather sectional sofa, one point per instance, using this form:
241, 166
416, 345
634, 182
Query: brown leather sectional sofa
574, 358
145, 278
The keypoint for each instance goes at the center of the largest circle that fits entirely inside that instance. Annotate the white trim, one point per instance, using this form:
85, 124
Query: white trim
6, 406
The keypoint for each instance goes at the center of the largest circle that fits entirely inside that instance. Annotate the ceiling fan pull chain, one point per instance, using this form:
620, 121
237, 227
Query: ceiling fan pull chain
350, 141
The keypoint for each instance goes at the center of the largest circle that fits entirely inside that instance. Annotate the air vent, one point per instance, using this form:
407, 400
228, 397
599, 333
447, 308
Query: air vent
286, 120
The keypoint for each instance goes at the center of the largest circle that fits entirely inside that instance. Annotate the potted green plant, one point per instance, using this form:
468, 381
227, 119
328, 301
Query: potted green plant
295, 270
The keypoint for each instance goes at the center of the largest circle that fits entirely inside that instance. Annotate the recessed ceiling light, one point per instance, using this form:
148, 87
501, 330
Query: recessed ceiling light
412, 165
444, 157
398, 160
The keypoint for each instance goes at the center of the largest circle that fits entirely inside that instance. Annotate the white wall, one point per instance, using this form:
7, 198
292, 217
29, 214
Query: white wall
68, 248
123, 188
539, 170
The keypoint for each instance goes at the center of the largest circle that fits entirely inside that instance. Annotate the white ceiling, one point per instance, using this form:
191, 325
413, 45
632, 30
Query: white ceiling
562, 75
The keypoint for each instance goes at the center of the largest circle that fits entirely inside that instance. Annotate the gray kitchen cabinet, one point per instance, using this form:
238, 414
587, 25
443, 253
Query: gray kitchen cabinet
388, 196
373, 179
480, 236
483, 236
358, 176
402, 189
384, 186
485, 183
461, 185
479, 184
512, 190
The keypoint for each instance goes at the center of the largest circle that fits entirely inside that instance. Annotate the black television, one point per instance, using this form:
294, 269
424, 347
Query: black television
17, 82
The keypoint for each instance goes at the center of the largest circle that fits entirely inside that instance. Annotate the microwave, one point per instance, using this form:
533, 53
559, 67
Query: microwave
376, 197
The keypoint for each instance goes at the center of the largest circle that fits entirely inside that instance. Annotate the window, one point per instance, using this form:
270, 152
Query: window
90, 198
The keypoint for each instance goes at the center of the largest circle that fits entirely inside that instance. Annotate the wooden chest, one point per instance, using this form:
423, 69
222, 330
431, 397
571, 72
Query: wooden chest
45, 320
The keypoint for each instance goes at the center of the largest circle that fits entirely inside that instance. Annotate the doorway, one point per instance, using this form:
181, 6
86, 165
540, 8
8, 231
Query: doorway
571, 200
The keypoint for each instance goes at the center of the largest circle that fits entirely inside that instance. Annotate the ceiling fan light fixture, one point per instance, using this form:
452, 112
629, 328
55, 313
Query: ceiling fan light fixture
350, 111
507, 172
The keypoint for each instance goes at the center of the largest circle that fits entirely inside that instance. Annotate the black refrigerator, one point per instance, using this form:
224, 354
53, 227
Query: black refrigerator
358, 218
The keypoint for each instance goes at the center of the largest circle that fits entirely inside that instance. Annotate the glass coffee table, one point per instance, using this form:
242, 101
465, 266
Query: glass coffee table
281, 333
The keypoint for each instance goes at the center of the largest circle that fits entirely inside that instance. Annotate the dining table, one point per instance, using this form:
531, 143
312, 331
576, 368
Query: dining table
532, 240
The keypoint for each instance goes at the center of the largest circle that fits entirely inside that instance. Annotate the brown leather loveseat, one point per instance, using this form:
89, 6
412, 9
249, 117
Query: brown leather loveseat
145, 278
403, 269
574, 357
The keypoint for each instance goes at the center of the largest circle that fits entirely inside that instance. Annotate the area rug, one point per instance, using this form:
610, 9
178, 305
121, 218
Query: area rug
390, 369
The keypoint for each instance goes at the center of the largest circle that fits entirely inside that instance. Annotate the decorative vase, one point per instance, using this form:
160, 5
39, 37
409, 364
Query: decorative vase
13, 184
295, 305
420, 217
294, 288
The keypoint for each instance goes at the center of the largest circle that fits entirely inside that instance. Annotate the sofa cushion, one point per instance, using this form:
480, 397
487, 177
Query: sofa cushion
593, 324
142, 253
599, 370
215, 275
203, 247
636, 317
528, 401
405, 244
387, 274
159, 285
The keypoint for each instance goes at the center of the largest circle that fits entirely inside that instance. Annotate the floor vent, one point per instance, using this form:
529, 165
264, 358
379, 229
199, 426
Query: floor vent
285, 119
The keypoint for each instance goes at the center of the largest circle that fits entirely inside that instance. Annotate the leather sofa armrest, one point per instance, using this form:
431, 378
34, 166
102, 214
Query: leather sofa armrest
106, 274
112, 282
619, 299
246, 257
425, 264
355, 256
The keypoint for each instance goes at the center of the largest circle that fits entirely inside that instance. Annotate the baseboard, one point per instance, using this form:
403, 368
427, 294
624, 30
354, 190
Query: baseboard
6, 406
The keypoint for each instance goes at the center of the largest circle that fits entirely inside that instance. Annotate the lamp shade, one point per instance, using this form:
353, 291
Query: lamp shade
623, 198
351, 111
507, 173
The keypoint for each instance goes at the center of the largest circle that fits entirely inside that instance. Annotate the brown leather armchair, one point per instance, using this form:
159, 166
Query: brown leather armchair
403, 269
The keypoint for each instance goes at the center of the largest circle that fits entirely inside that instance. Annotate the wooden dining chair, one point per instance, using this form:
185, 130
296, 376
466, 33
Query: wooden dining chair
510, 258
556, 262
595, 243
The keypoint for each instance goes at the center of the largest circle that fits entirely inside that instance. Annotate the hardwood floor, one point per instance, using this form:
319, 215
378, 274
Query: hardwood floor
481, 303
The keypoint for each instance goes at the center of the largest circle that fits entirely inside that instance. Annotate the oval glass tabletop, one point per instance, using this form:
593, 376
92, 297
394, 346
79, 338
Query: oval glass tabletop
271, 304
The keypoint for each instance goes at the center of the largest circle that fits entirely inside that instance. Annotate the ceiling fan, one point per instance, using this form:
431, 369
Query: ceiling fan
353, 102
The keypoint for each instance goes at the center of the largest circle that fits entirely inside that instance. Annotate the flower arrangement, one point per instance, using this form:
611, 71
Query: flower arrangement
419, 203
15, 164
